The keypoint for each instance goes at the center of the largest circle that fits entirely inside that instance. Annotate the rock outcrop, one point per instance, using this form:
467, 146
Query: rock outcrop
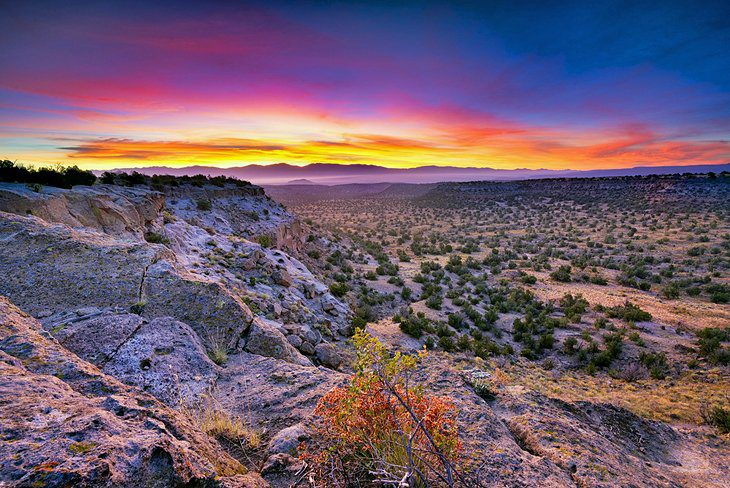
65, 423
162, 356
200, 266
114, 210
154, 315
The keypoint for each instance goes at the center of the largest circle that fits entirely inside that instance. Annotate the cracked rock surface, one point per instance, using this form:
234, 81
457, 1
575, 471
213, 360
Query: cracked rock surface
63, 422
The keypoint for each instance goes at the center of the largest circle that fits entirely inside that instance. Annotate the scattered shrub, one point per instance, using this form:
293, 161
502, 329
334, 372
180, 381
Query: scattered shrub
562, 274
265, 240
219, 355
155, 238
718, 417
339, 289
628, 312
204, 204
381, 430
656, 363
217, 422
710, 344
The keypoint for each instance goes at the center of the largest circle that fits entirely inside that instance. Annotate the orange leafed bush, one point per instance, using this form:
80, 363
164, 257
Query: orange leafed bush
381, 429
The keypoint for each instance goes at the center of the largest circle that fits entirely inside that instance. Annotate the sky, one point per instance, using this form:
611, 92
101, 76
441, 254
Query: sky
557, 85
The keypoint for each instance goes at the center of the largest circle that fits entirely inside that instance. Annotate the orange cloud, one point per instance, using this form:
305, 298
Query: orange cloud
500, 149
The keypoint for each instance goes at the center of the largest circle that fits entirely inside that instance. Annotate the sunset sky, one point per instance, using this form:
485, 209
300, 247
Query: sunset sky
513, 84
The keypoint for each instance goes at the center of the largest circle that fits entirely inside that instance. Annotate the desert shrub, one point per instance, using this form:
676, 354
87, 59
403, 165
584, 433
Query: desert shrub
380, 430
573, 306
632, 372
130, 179
155, 238
138, 308
415, 324
601, 323
203, 204
339, 289
569, 345
265, 240
710, 344
636, 339
484, 384
528, 279
434, 302
694, 291
447, 343
695, 251
215, 421
656, 363
219, 355
484, 391
598, 280
405, 293
463, 343
671, 291
718, 417
562, 274
628, 312
719, 292
389, 269
455, 320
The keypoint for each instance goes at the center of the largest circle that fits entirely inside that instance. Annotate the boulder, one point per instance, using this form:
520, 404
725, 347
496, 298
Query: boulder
307, 348
265, 340
294, 340
287, 440
282, 278
279, 463
310, 335
328, 355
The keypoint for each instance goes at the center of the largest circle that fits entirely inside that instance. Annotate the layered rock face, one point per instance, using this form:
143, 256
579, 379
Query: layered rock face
110, 209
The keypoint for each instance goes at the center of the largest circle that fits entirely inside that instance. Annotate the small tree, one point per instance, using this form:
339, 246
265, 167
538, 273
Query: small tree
383, 430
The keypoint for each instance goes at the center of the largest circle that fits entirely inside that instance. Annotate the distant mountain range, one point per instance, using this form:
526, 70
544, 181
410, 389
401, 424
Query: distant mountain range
337, 174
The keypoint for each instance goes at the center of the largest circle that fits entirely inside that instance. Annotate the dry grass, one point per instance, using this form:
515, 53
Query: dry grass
219, 423
690, 313
218, 355
675, 400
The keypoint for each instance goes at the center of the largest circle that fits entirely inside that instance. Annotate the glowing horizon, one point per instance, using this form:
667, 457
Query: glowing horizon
130, 85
